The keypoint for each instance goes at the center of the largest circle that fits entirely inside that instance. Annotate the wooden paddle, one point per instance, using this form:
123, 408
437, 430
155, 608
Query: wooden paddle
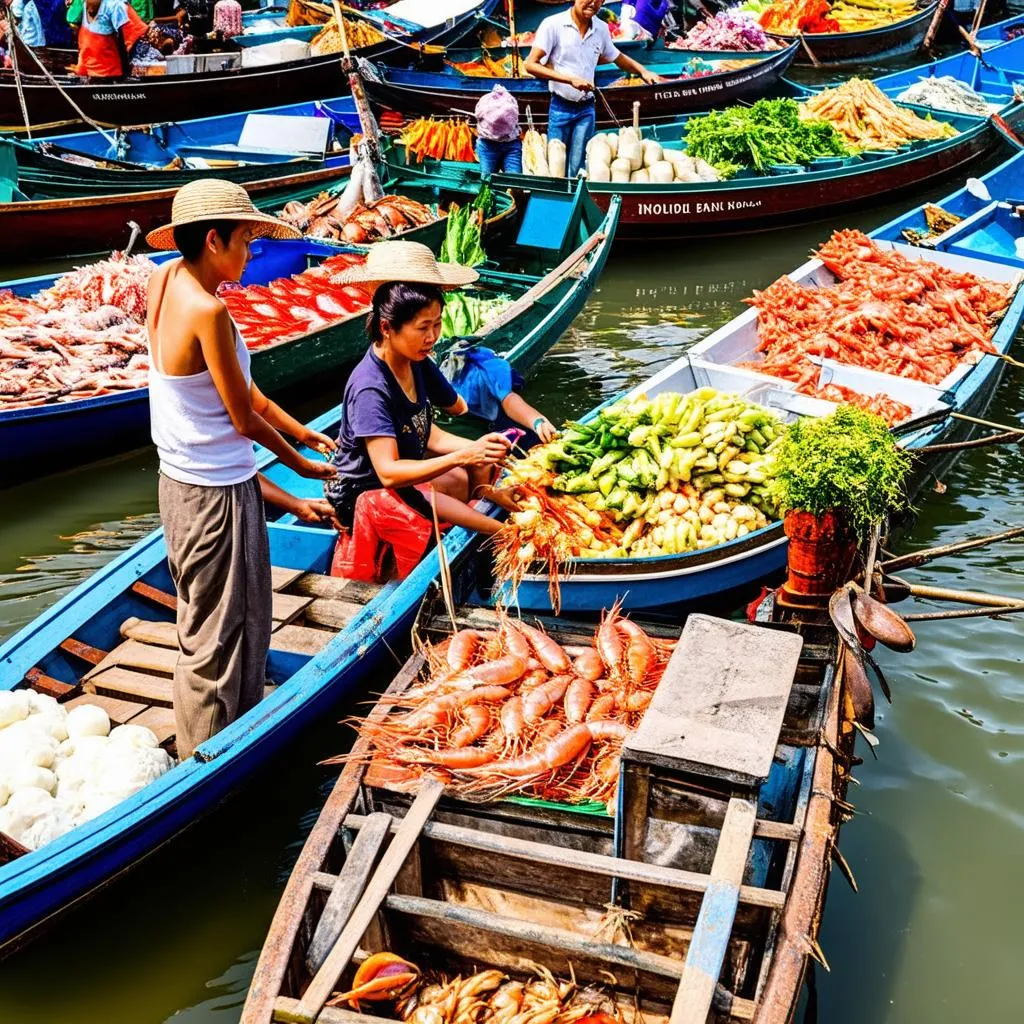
918, 558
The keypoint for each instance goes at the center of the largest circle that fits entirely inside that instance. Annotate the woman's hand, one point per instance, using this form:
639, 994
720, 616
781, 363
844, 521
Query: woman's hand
488, 451
315, 470
544, 430
319, 442
316, 510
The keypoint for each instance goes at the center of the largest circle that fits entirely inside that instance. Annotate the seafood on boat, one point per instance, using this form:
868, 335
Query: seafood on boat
643, 478
944, 92
487, 997
513, 711
891, 410
83, 337
388, 217
886, 312
867, 119
296, 305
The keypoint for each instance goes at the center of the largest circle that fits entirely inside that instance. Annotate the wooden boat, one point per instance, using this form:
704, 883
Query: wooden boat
330, 636
445, 93
156, 98
876, 44
588, 585
721, 928
750, 201
240, 147
43, 438
998, 31
994, 75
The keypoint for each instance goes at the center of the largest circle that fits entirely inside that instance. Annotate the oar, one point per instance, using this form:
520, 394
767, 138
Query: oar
933, 28
965, 613
897, 589
918, 558
1010, 437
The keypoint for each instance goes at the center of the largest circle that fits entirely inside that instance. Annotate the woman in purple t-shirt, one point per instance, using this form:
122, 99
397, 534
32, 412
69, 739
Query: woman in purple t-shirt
390, 452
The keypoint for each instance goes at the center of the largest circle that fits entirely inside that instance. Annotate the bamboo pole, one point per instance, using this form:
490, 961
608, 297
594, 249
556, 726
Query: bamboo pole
921, 557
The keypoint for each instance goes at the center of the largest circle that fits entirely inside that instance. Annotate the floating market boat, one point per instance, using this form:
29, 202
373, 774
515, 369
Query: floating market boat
589, 584
722, 869
549, 270
152, 99
330, 635
876, 44
253, 146
447, 93
751, 201
999, 32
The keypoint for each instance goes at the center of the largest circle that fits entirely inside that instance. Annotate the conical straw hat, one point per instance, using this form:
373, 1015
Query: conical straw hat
214, 199
406, 261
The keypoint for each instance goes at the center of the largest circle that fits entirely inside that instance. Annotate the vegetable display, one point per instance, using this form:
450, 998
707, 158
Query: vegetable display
427, 137
727, 31
626, 156
867, 119
663, 476
790, 17
386, 217
906, 317
59, 768
358, 33
946, 93
848, 460
465, 314
770, 132
83, 337
462, 236
512, 711
297, 305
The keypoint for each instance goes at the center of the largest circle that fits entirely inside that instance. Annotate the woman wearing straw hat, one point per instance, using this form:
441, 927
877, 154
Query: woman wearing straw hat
391, 455
205, 414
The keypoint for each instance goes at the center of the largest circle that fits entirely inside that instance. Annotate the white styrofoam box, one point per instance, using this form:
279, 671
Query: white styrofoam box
282, 52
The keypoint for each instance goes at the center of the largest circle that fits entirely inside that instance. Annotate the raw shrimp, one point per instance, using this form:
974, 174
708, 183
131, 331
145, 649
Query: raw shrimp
461, 649
549, 651
541, 699
476, 721
500, 671
565, 747
515, 642
455, 760
578, 698
588, 665
439, 711
641, 655
602, 707
609, 642
512, 723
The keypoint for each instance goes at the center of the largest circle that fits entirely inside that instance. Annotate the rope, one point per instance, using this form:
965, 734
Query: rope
607, 107
15, 39
71, 103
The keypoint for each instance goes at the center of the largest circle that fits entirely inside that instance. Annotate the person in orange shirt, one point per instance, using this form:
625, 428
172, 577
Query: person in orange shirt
106, 35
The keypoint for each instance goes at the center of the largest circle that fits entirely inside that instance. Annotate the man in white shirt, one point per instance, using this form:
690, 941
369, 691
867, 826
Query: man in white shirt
566, 51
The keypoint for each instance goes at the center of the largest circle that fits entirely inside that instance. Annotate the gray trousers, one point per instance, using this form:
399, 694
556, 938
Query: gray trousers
219, 557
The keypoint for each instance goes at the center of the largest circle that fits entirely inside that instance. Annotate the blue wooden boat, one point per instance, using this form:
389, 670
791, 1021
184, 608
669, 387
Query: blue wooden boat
45, 438
86, 163
984, 244
156, 98
342, 639
449, 93
998, 32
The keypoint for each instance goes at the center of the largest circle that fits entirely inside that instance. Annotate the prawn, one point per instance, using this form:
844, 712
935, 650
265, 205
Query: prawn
439, 711
588, 665
549, 651
578, 697
461, 649
609, 642
476, 722
602, 707
455, 760
512, 723
541, 699
640, 652
499, 672
515, 642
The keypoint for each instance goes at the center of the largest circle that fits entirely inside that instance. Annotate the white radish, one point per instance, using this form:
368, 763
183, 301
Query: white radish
620, 169
633, 153
652, 152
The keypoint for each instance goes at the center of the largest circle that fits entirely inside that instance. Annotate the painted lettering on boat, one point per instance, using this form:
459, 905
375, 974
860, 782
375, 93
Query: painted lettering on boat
664, 209
700, 86
119, 95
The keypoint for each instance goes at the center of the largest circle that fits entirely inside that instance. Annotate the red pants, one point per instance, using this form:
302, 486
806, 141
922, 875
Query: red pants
382, 526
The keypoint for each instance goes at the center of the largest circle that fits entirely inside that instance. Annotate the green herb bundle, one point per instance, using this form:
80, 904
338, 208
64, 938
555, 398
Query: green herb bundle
847, 461
769, 132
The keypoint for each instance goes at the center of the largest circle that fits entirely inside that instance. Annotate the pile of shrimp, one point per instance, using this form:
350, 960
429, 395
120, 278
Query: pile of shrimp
513, 711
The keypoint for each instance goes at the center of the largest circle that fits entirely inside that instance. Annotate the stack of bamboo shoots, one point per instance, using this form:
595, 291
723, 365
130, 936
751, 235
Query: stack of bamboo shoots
625, 156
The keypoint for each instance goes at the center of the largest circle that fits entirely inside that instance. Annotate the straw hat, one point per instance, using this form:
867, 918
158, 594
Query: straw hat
215, 199
406, 261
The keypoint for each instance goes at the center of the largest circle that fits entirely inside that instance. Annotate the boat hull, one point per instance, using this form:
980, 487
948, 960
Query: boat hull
48, 228
436, 94
836, 48
157, 98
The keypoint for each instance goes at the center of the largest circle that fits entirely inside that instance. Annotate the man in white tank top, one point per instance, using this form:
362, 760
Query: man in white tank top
206, 413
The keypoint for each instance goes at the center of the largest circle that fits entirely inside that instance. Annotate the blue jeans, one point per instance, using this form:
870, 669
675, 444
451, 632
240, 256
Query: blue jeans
496, 157
573, 124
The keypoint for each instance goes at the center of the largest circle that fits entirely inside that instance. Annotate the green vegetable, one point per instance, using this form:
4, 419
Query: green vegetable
847, 461
769, 132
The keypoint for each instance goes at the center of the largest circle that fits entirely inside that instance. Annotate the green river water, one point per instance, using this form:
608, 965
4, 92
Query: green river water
936, 847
